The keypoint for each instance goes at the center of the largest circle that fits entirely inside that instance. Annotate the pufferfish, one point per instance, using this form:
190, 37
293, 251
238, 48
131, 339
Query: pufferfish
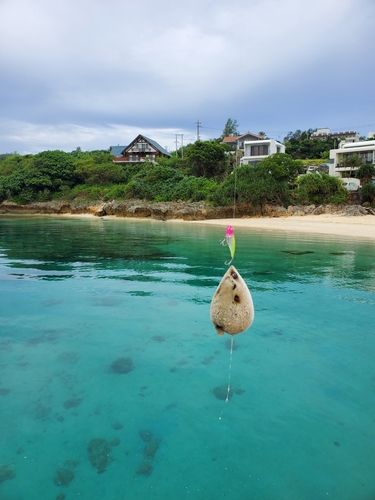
232, 308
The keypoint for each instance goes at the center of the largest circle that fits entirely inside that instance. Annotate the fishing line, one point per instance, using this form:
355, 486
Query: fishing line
235, 189
229, 371
224, 242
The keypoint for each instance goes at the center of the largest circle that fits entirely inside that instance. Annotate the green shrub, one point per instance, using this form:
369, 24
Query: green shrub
256, 185
88, 172
368, 193
319, 189
194, 189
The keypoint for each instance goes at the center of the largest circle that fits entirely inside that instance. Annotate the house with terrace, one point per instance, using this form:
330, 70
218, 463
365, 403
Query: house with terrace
141, 149
341, 165
256, 151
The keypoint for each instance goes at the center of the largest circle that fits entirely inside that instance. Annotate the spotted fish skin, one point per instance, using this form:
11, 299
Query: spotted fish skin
232, 308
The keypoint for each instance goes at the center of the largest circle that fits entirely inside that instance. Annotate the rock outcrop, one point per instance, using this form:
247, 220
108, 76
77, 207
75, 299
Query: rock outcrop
175, 210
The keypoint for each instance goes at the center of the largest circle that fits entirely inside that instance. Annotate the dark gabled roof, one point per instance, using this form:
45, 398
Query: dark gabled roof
116, 150
151, 141
157, 146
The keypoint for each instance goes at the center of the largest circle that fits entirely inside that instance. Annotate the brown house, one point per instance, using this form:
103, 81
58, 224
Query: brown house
141, 149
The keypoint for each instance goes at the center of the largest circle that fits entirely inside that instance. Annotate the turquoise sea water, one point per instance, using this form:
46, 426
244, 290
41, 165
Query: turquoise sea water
77, 295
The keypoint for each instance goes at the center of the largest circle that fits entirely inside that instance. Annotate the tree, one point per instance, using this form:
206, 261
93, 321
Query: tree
353, 162
36, 177
320, 189
365, 173
205, 159
282, 167
56, 167
255, 185
300, 145
368, 193
231, 128
87, 171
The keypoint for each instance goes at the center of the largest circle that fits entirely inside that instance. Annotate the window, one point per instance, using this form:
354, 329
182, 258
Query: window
261, 150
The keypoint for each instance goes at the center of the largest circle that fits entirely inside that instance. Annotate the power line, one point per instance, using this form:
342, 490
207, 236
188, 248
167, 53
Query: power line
210, 128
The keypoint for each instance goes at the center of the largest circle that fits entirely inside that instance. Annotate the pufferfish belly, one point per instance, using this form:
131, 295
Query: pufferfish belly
232, 308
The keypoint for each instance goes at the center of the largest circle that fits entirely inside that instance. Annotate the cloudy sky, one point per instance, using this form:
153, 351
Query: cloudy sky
91, 74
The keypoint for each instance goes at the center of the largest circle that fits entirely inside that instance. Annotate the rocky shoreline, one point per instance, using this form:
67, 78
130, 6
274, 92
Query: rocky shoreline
176, 210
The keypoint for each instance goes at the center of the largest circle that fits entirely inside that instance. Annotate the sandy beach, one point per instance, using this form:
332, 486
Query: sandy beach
336, 225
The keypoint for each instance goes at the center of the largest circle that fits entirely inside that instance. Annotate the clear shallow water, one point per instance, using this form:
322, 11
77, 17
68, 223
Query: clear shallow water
78, 294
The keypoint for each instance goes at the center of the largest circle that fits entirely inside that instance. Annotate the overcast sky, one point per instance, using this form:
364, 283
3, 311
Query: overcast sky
91, 74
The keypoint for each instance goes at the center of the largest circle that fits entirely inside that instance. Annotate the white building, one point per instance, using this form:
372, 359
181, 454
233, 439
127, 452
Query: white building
325, 133
256, 151
339, 165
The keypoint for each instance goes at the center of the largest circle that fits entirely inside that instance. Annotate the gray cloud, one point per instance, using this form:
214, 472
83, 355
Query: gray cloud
79, 71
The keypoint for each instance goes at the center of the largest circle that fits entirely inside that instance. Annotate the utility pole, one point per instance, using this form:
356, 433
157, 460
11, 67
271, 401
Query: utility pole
182, 143
198, 124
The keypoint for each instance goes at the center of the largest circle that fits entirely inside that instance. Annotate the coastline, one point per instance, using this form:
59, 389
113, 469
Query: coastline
345, 221
362, 227
325, 224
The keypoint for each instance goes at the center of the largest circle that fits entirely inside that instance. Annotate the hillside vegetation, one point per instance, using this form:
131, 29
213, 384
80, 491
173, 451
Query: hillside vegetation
208, 172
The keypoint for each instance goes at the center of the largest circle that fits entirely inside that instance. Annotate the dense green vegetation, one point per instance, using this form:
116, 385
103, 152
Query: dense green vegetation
208, 172
205, 173
300, 145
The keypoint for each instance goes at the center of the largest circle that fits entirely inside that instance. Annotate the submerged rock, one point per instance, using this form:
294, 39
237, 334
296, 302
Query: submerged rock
99, 452
122, 365
158, 338
151, 447
145, 468
63, 477
221, 392
65, 474
117, 426
72, 403
6, 473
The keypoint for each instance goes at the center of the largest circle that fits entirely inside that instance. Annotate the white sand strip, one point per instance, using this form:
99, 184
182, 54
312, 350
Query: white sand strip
351, 227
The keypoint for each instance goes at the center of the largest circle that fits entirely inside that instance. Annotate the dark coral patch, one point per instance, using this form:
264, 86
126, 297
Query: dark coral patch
221, 392
63, 477
6, 473
117, 426
99, 452
122, 365
145, 468
72, 403
151, 447
158, 338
